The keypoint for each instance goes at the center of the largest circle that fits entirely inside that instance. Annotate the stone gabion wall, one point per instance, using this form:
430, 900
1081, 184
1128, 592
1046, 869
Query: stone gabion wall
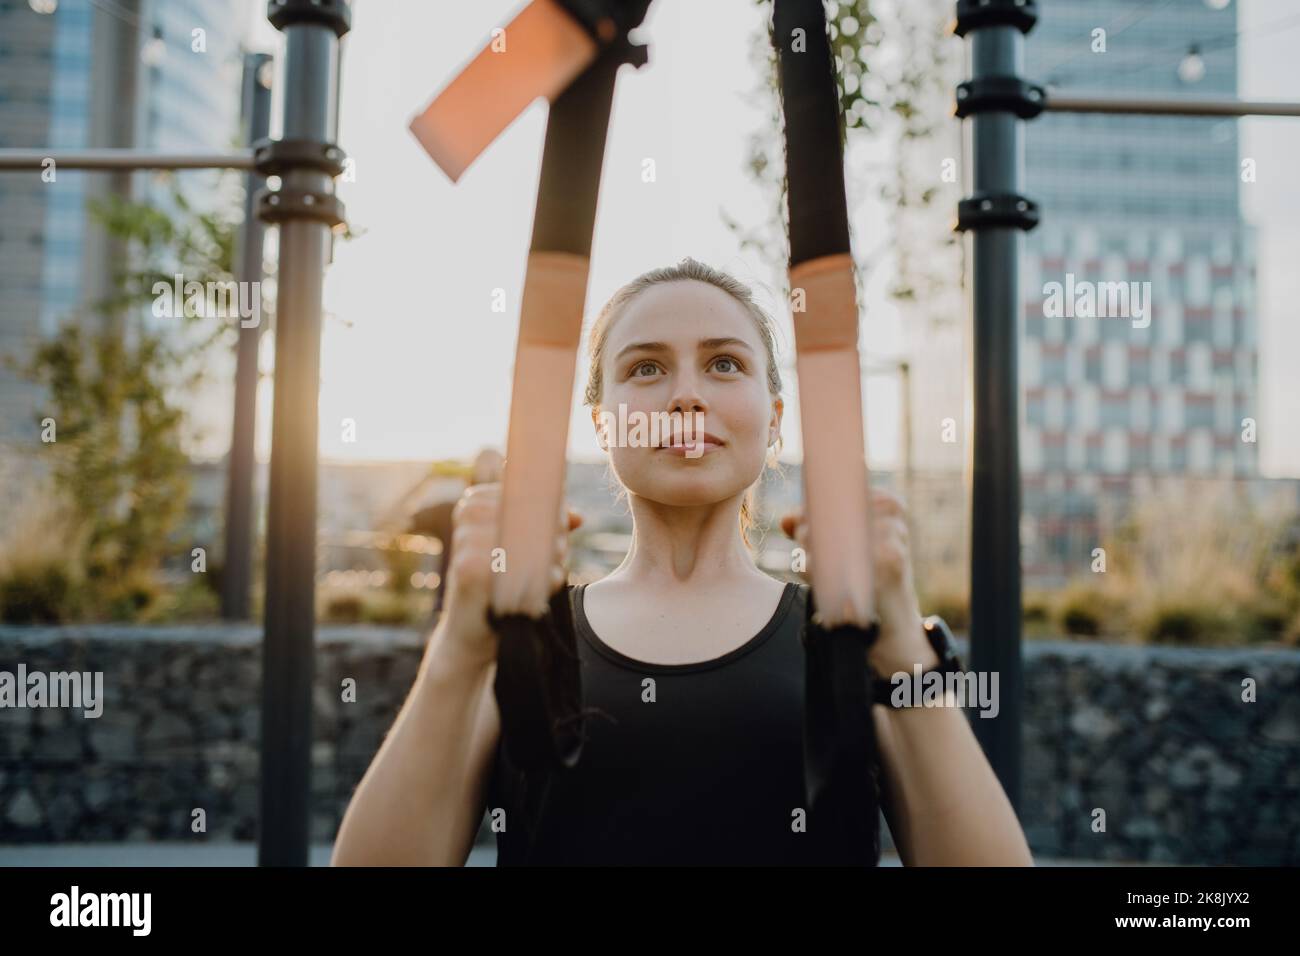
1159, 740
1163, 742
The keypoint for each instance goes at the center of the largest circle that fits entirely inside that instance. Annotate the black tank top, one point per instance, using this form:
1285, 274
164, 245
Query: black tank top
710, 772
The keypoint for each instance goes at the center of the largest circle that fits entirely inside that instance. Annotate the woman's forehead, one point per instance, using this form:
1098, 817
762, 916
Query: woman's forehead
679, 314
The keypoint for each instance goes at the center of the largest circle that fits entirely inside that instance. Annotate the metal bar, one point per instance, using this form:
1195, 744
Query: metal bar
995, 575
91, 159
1166, 106
288, 668
905, 386
237, 567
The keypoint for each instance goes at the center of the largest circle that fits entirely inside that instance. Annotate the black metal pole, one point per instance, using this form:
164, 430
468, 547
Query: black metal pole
997, 99
237, 568
305, 207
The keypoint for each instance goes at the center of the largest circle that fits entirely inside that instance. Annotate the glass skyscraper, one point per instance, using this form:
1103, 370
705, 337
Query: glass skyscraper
1151, 203
91, 73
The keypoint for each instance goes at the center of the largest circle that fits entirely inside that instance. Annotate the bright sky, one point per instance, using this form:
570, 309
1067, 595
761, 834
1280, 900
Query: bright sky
412, 351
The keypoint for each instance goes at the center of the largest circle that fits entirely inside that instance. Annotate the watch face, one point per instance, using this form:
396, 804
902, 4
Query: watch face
935, 623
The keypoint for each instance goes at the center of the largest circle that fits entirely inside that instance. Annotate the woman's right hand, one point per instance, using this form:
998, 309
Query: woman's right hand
475, 530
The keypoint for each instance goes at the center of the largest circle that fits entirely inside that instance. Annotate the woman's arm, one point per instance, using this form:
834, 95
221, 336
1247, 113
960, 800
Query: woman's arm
944, 804
420, 802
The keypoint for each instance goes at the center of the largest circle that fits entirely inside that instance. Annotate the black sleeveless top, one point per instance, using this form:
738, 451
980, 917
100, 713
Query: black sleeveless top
683, 763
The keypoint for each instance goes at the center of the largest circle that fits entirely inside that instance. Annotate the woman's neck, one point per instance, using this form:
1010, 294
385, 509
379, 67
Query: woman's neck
696, 546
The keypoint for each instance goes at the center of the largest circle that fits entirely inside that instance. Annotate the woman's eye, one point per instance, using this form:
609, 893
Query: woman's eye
637, 369
727, 360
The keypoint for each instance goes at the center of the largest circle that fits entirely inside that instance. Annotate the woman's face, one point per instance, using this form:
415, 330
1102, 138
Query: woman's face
689, 348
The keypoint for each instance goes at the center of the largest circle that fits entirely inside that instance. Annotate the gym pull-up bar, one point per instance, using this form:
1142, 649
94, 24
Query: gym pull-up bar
1165, 106
997, 99
131, 159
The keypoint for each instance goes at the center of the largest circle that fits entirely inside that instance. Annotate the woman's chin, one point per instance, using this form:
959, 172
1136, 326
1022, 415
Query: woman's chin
686, 491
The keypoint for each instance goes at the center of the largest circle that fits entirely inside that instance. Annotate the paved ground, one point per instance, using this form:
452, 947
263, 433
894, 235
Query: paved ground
169, 854
245, 854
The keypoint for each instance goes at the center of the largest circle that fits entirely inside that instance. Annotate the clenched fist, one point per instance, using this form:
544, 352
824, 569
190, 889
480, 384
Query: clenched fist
901, 642
476, 521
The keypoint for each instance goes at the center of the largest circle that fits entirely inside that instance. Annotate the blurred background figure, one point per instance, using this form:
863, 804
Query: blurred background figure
434, 520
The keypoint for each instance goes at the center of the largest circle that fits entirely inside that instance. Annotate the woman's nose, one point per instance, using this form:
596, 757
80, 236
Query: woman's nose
687, 397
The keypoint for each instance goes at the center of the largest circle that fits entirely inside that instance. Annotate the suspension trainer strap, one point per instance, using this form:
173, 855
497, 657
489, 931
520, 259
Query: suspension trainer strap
539, 53
840, 756
537, 684
537, 681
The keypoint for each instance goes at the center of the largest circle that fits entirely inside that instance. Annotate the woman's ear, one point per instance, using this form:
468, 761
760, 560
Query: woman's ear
601, 439
774, 426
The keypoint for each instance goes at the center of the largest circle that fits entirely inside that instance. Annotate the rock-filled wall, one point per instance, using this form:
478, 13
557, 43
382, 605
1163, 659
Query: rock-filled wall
1155, 744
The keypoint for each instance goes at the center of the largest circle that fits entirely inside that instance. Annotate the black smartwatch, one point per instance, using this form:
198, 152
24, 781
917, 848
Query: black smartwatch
939, 637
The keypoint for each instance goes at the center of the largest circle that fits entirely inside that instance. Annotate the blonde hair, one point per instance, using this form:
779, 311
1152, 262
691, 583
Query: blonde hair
687, 268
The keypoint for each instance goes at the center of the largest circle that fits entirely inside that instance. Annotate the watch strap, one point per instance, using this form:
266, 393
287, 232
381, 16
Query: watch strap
939, 638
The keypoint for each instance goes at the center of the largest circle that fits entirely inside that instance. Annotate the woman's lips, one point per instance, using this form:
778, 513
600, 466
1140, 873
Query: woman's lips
692, 448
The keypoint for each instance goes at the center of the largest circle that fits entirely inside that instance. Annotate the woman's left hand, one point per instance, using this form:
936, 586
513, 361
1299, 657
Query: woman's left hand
902, 642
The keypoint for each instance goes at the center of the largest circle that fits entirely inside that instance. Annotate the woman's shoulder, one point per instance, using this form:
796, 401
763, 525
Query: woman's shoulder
795, 587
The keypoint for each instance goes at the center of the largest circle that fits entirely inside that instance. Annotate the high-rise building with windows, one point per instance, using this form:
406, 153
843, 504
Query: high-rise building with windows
1143, 215
94, 73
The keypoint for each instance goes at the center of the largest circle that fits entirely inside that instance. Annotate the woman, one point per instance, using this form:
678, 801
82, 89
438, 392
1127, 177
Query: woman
691, 658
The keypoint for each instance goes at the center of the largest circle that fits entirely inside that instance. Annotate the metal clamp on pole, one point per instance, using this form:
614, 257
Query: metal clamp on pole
277, 157
987, 210
273, 157
1009, 93
335, 14
282, 205
974, 14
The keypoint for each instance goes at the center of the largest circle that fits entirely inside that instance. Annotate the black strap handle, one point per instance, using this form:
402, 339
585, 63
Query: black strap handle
840, 754
538, 683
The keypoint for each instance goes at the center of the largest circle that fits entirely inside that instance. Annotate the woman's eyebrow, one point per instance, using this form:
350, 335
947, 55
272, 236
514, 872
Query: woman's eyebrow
704, 344
725, 341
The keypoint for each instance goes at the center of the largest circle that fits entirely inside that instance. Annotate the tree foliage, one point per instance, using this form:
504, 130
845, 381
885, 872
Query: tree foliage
116, 388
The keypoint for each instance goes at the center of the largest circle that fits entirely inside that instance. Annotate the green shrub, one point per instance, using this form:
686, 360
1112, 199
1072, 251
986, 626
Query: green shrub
39, 592
130, 598
1186, 621
1037, 611
1085, 610
195, 600
344, 609
1266, 621
1036, 614
1080, 620
1291, 634
387, 609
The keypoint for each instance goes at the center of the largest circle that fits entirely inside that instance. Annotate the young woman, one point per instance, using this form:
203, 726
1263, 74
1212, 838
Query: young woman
691, 656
